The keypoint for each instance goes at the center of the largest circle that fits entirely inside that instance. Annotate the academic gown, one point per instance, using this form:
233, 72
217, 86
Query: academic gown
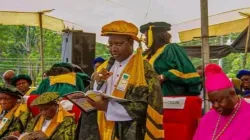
62, 131
29, 91
62, 85
143, 100
15, 120
181, 77
238, 129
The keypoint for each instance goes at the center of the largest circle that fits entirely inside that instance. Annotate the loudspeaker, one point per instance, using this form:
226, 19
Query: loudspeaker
79, 48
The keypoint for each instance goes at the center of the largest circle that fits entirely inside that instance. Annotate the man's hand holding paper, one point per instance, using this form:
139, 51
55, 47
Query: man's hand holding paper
103, 75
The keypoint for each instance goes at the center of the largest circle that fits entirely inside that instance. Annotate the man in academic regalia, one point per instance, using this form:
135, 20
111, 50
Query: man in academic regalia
129, 77
227, 119
63, 79
13, 114
175, 71
53, 122
22, 82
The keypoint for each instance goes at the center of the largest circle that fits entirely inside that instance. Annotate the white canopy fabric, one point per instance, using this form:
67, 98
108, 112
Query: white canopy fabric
91, 15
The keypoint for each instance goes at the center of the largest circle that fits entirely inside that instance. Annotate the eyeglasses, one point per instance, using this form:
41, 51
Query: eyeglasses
118, 45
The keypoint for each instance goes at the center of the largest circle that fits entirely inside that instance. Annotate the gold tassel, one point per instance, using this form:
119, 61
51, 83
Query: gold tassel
141, 40
150, 37
139, 69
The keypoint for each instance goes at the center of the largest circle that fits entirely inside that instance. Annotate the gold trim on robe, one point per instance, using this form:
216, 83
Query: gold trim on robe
69, 78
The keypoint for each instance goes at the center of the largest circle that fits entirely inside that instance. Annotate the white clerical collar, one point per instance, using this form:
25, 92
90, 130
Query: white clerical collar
125, 61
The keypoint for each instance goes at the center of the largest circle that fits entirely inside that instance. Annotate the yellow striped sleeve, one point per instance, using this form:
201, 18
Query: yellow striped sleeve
183, 75
154, 125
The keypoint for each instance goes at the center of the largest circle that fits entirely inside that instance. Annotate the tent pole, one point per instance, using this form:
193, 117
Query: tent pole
246, 46
41, 42
205, 45
221, 43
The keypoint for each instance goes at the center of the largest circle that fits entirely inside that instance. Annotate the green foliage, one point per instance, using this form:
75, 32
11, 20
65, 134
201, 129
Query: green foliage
19, 50
20, 45
231, 63
102, 51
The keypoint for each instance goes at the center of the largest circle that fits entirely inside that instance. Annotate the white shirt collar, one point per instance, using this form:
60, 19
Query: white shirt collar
125, 61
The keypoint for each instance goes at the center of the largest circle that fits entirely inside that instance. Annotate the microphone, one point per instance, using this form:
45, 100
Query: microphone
111, 62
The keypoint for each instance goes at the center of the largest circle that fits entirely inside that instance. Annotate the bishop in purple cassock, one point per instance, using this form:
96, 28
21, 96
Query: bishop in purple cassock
228, 118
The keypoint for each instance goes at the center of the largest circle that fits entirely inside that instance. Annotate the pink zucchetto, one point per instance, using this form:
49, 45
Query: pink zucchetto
216, 79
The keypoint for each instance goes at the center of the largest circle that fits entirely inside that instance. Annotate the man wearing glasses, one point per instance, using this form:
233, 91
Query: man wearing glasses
227, 119
127, 76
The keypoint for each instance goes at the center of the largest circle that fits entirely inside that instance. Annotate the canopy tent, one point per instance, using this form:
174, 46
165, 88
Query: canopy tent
216, 51
219, 51
39, 19
91, 15
33, 19
219, 24
239, 44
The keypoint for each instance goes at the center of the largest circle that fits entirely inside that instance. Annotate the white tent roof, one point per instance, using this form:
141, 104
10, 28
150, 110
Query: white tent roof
91, 15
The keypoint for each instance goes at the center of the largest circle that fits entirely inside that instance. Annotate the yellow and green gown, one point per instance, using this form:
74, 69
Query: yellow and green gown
181, 77
63, 84
144, 106
15, 120
62, 126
